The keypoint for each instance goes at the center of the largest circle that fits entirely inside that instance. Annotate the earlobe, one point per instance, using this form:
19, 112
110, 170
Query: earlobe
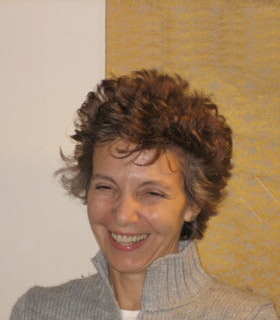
191, 213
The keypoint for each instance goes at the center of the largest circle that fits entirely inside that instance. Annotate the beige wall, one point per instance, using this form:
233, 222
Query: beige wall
232, 49
52, 53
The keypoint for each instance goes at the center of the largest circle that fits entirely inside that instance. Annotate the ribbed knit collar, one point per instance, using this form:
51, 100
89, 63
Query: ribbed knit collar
171, 281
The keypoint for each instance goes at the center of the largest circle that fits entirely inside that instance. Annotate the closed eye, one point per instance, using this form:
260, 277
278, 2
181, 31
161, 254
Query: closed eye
156, 194
102, 187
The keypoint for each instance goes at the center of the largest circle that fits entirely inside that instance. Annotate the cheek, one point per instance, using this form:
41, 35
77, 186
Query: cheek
97, 212
166, 220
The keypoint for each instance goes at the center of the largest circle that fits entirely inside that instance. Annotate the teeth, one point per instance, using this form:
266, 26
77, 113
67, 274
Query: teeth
126, 240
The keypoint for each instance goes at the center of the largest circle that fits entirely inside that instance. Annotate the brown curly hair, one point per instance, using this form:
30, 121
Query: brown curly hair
156, 110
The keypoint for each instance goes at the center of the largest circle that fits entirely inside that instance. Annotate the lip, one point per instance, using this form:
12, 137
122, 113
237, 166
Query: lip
130, 246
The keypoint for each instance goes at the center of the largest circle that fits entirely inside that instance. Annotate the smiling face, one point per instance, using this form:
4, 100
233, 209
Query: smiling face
136, 210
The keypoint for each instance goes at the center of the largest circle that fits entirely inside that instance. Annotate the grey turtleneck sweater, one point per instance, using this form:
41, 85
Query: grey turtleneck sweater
176, 287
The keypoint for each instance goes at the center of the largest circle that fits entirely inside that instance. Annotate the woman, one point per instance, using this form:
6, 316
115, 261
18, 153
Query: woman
151, 163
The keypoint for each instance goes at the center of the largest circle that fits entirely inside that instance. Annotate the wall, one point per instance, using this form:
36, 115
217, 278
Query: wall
51, 54
230, 48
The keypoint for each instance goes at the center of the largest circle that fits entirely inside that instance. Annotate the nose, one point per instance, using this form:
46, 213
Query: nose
126, 210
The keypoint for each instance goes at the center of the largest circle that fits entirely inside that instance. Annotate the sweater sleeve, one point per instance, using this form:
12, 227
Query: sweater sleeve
267, 312
18, 311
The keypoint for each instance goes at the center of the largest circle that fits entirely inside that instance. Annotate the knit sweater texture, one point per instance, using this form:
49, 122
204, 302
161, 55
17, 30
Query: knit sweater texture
176, 287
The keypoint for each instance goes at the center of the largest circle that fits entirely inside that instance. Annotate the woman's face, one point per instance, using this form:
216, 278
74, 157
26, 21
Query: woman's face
136, 210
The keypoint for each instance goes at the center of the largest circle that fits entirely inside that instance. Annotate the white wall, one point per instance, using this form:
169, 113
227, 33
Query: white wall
51, 54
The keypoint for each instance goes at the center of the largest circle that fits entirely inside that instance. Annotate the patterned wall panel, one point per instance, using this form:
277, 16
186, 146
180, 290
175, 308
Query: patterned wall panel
230, 48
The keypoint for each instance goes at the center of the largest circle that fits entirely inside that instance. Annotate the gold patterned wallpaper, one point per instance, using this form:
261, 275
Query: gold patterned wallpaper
230, 48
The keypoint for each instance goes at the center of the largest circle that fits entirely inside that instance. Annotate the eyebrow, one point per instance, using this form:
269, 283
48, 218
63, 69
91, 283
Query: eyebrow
143, 184
101, 177
156, 182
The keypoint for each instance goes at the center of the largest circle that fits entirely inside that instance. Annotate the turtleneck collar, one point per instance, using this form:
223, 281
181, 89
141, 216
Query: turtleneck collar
170, 281
174, 279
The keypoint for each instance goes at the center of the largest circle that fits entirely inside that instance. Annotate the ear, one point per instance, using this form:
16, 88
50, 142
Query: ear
192, 211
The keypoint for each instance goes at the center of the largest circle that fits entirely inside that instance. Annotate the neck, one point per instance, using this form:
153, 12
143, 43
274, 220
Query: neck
128, 289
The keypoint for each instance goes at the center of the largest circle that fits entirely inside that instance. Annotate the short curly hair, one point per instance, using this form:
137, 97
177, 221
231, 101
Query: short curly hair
158, 111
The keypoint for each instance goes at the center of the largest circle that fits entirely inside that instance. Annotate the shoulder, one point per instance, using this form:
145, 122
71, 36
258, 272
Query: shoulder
70, 290
243, 304
68, 298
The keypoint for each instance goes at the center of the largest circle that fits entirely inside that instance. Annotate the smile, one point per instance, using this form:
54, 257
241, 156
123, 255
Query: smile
128, 240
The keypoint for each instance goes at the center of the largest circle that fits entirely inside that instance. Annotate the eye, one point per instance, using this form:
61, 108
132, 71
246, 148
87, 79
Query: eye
102, 187
156, 194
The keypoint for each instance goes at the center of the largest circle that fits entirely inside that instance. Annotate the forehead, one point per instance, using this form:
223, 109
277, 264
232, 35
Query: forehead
121, 153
